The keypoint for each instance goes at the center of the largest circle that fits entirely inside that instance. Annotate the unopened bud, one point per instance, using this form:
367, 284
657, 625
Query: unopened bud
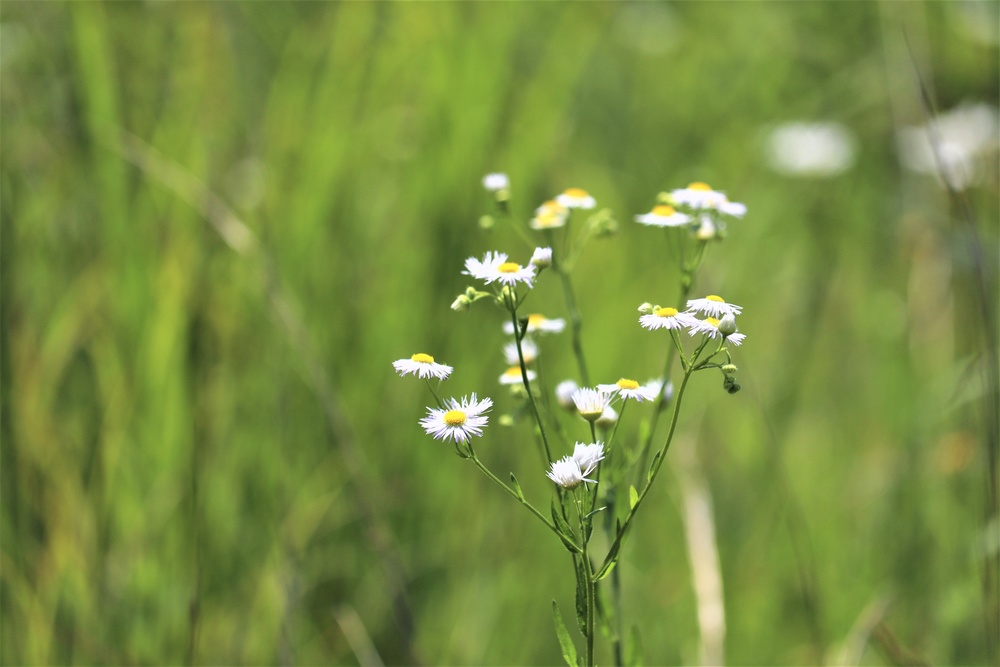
727, 325
461, 303
542, 258
729, 369
647, 308
505, 420
486, 222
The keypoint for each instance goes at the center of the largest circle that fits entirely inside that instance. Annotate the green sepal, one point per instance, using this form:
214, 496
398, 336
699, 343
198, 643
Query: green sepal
568, 649
516, 486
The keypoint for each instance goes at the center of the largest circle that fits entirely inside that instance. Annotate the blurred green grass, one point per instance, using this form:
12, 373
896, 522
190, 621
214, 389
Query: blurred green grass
172, 488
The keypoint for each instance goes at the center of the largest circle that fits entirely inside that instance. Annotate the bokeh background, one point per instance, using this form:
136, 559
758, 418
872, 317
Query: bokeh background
221, 223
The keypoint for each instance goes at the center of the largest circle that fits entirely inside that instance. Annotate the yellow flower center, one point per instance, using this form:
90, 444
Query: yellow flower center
666, 312
422, 358
713, 297
714, 322
664, 210
454, 418
552, 206
509, 267
513, 372
576, 193
548, 219
627, 384
535, 319
698, 185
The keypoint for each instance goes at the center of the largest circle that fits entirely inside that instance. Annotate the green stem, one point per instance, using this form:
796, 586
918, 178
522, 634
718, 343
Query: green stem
518, 335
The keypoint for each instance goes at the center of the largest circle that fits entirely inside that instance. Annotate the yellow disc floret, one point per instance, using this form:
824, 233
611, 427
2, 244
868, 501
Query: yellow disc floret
714, 322
698, 185
713, 297
422, 358
664, 210
535, 319
627, 384
509, 267
576, 193
666, 312
454, 418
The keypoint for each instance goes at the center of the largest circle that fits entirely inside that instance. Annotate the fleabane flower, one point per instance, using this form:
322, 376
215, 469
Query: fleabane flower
549, 215
663, 216
699, 196
665, 318
513, 375
591, 403
629, 389
608, 418
710, 327
541, 258
576, 198
564, 394
538, 324
423, 366
566, 473
458, 421
495, 268
496, 182
714, 306
588, 456
528, 349
656, 386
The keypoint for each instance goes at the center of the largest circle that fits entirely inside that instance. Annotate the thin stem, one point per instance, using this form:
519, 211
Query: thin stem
588, 571
434, 393
518, 335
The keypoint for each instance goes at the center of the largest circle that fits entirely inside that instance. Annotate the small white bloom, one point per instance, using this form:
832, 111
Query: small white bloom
591, 403
665, 318
541, 258
549, 215
628, 389
495, 268
966, 137
528, 348
538, 324
564, 394
588, 456
607, 419
423, 366
713, 305
566, 473
663, 216
496, 182
810, 150
656, 386
513, 375
710, 327
700, 196
576, 198
459, 421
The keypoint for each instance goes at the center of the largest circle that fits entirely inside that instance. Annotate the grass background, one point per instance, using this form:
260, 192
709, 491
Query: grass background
207, 458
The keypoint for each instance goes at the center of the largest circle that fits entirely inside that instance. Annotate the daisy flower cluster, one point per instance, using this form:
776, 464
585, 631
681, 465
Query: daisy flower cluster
698, 208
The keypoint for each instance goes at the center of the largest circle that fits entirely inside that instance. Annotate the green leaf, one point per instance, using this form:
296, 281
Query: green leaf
568, 649
633, 650
564, 530
652, 466
606, 571
599, 509
633, 496
581, 596
517, 487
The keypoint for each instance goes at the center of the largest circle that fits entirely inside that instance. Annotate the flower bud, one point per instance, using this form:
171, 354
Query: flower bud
496, 182
486, 222
646, 308
505, 420
729, 369
542, 258
461, 303
727, 325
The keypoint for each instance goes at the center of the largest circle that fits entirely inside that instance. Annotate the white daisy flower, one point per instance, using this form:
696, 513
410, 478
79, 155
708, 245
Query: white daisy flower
628, 389
459, 421
588, 456
513, 375
541, 258
710, 327
665, 318
549, 215
495, 268
591, 403
663, 216
706, 229
656, 385
713, 305
576, 198
423, 366
538, 324
528, 349
566, 473
496, 182
607, 419
564, 394
699, 196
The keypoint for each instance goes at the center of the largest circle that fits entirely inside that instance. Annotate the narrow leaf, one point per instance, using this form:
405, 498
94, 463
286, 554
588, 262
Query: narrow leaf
606, 571
517, 487
633, 496
568, 649
652, 466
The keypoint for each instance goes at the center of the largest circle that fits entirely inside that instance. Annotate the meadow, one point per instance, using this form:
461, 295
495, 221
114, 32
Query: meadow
222, 221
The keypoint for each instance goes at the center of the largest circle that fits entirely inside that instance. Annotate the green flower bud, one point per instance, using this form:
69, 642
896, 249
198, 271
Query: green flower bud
647, 308
486, 222
727, 325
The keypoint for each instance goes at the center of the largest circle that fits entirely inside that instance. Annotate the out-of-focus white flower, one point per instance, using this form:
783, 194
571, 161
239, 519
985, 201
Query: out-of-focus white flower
964, 137
663, 216
656, 386
495, 268
591, 403
665, 318
423, 366
810, 150
459, 421
701, 196
538, 324
576, 198
608, 418
541, 258
713, 305
628, 389
496, 182
549, 215
513, 375
564, 394
528, 348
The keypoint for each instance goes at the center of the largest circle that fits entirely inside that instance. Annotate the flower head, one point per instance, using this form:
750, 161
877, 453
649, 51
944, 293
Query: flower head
588, 456
495, 268
496, 182
541, 258
710, 327
665, 318
576, 198
663, 216
538, 324
656, 385
513, 376
629, 389
423, 366
458, 420
549, 215
528, 348
566, 473
713, 305
700, 196
591, 403
564, 394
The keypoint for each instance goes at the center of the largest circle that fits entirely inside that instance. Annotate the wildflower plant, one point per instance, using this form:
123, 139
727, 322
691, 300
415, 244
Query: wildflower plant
602, 482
